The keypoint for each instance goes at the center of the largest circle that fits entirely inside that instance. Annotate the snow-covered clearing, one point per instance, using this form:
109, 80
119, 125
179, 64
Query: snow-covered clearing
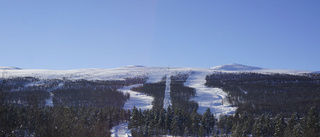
137, 99
208, 97
167, 98
121, 130
49, 101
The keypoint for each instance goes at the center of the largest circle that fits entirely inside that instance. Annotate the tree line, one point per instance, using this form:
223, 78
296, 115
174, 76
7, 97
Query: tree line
80, 107
269, 93
62, 121
177, 122
173, 121
155, 90
242, 125
181, 95
98, 93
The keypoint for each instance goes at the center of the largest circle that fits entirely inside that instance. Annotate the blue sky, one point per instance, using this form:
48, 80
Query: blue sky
71, 34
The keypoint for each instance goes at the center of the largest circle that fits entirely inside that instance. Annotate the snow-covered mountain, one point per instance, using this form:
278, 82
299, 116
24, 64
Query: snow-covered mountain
244, 68
206, 97
235, 67
153, 73
9, 68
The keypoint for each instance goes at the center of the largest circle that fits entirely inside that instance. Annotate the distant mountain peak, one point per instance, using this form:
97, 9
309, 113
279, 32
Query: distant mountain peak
235, 67
135, 66
9, 68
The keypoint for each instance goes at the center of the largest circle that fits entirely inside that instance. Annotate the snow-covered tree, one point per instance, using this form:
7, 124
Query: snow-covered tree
280, 125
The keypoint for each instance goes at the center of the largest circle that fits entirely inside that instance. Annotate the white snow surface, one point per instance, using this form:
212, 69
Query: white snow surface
235, 67
139, 100
155, 74
243, 68
121, 130
167, 98
207, 97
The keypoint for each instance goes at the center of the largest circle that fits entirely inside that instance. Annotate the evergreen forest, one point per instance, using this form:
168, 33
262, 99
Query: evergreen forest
268, 105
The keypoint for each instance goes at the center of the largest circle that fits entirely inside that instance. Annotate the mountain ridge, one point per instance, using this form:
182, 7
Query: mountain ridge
154, 73
10, 68
235, 67
225, 67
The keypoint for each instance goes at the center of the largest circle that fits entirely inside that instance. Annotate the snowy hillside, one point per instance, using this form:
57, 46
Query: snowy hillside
244, 68
154, 74
206, 97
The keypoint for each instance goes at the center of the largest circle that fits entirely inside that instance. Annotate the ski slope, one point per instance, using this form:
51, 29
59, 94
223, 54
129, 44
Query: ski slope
207, 97
167, 98
139, 100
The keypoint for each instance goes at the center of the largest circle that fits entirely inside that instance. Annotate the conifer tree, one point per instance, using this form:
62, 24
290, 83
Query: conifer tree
257, 129
236, 130
312, 128
289, 131
262, 122
246, 128
134, 118
269, 126
146, 123
248, 121
207, 121
153, 121
297, 130
186, 131
140, 118
280, 125
201, 131
176, 126
195, 123
168, 120
161, 121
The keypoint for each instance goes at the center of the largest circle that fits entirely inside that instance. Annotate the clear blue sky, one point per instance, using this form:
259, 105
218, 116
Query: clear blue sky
71, 34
